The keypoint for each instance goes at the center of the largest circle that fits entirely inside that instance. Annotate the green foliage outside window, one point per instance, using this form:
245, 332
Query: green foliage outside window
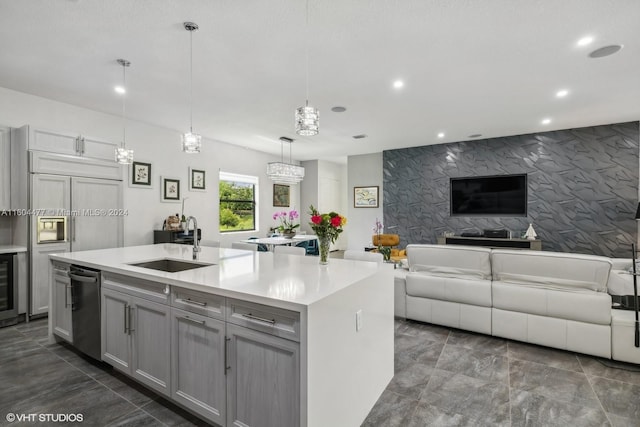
237, 206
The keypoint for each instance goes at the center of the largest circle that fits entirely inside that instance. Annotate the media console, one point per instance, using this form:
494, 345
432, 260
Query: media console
534, 245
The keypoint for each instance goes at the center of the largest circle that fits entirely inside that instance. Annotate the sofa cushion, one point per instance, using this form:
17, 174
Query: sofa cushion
582, 306
460, 290
450, 261
552, 270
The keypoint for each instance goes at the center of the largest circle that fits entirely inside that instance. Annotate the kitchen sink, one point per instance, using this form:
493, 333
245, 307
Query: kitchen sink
170, 265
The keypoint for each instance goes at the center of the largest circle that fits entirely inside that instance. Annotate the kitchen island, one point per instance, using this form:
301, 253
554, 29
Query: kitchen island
246, 338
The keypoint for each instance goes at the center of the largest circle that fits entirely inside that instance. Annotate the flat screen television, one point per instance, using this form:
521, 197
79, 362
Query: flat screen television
501, 195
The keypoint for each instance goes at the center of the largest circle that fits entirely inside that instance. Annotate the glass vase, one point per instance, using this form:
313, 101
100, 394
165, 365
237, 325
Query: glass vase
324, 242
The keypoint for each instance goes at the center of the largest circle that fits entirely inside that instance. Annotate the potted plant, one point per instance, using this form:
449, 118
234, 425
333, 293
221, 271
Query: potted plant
287, 228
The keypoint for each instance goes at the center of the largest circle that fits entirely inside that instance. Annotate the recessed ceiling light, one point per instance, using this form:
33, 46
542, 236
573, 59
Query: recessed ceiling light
546, 121
562, 93
475, 135
585, 41
120, 90
605, 51
338, 109
398, 84
441, 135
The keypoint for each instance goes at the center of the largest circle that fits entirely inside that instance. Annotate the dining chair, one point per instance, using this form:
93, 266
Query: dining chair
244, 246
363, 256
290, 250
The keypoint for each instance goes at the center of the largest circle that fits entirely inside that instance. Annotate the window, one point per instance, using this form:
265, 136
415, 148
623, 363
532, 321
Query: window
238, 210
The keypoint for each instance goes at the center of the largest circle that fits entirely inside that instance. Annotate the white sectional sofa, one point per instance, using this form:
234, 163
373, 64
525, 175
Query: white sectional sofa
450, 285
553, 299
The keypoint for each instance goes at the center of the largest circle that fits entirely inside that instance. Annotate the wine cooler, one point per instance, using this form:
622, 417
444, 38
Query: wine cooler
8, 290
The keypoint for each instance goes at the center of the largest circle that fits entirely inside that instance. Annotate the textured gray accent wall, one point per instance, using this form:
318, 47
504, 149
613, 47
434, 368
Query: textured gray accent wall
582, 187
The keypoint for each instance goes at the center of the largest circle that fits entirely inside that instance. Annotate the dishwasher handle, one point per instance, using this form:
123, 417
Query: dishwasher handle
85, 279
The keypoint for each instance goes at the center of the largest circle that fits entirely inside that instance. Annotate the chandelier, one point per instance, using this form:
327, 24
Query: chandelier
123, 155
285, 173
191, 142
307, 118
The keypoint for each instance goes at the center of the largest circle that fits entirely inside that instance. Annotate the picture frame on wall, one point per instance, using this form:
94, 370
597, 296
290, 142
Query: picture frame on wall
197, 180
140, 175
366, 197
170, 191
281, 195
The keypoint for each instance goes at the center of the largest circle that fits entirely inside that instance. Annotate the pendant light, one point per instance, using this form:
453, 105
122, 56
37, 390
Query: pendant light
123, 155
191, 142
285, 173
307, 117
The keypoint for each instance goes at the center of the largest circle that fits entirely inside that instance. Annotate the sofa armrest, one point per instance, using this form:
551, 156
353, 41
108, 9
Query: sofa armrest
621, 263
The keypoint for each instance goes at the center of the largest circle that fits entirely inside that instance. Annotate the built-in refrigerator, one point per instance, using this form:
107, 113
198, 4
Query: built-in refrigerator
93, 212
62, 202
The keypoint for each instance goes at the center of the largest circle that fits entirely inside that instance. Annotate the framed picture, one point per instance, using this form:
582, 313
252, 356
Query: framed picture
281, 195
140, 175
197, 180
170, 189
365, 197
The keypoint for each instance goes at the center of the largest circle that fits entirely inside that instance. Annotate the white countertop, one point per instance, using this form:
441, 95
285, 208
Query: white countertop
287, 281
9, 249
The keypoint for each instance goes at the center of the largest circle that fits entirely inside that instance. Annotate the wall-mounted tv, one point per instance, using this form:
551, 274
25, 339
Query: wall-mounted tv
501, 195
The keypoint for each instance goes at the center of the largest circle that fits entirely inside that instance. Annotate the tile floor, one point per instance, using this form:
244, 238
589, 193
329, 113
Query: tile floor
444, 377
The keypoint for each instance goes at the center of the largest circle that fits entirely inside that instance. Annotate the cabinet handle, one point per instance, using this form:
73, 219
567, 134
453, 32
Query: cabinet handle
130, 321
73, 228
226, 349
190, 301
200, 322
66, 295
77, 144
259, 319
125, 319
82, 145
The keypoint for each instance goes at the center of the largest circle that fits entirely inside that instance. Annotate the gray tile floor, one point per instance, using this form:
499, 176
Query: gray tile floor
444, 377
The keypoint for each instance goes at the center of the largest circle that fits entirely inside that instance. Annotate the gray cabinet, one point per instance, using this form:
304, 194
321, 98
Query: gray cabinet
62, 301
263, 379
5, 168
136, 337
232, 362
116, 341
197, 364
71, 144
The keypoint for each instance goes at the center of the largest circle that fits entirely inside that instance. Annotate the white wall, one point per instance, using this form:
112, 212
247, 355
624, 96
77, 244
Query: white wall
161, 148
363, 171
324, 187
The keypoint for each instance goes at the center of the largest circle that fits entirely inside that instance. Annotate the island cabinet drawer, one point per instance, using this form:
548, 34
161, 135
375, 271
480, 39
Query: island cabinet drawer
198, 302
271, 320
146, 289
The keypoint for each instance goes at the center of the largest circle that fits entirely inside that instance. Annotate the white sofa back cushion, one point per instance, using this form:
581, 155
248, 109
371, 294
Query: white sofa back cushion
450, 261
551, 270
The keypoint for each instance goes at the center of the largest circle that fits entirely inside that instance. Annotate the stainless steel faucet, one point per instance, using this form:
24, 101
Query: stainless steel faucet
196, 246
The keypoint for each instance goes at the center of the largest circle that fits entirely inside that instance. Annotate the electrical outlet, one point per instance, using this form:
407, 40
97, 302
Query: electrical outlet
358, 320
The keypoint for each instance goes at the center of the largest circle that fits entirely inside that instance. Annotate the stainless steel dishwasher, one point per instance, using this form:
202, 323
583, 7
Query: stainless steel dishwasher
85, 310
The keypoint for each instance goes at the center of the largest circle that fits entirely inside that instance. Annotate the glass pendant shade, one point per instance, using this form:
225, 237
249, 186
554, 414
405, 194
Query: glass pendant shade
124, 156
191, 143
285, 173
307, 121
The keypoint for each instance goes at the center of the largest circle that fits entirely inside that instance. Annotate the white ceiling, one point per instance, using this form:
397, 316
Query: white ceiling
489, 67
